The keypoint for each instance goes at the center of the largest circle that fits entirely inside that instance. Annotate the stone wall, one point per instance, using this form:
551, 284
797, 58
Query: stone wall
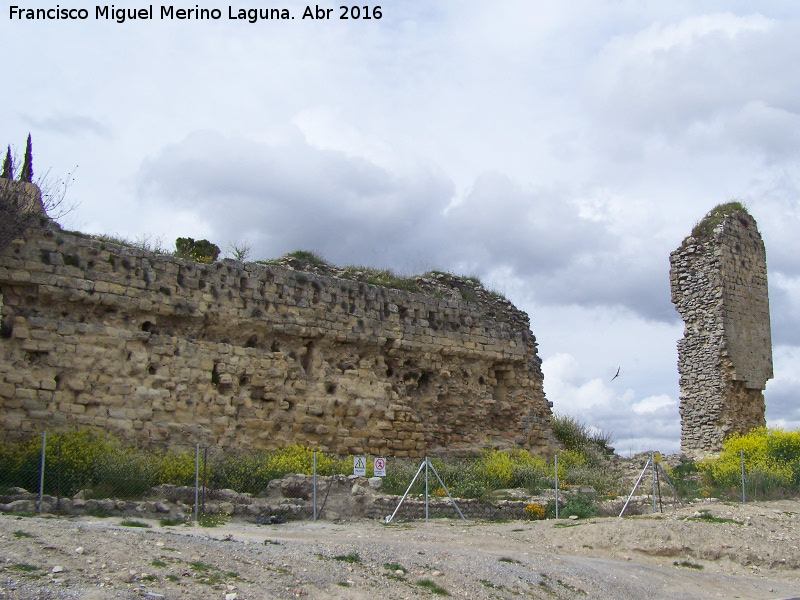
719, 287
168, 352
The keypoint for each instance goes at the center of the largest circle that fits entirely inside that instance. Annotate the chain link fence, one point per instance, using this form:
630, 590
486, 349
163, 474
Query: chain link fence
77, 474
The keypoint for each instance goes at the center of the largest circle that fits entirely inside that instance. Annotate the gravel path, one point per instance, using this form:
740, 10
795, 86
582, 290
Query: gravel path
750, 552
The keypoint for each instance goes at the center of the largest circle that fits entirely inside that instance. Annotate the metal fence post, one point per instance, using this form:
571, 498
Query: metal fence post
653, 464
556, 463
744, 497
196, 479
41, 471
315, 486
426, 489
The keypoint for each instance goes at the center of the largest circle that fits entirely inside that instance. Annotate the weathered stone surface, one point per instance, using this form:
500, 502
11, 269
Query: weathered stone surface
719, 287
168, 352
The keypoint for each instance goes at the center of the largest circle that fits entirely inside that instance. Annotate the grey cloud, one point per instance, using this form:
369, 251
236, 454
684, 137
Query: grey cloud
69, 125
296, 196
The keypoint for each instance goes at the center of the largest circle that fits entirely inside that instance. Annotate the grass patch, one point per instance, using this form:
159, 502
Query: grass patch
158, 563
25, 568
172, 578
22, 534
200, 566
271, 543
212, 520
352, 557
148, 578
171, 522
512, 561
342, 584
706, 227
394, 567
433, 587
688, 565
309, 257
571, 588
133, 523
707, 517
565, 525
490, 585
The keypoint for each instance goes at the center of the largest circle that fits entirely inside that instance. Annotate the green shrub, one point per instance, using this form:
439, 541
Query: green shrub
771, 463
201, 251
580, 505
577, 436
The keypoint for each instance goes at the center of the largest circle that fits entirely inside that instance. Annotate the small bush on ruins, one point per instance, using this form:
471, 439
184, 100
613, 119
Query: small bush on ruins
201, 251
309, 257
577, 436
771, 464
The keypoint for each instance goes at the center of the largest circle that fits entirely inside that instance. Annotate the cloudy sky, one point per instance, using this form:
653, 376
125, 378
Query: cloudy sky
558, 152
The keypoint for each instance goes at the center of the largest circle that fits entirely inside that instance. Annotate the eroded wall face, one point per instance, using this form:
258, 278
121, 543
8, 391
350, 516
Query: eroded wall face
719, 287
168, 352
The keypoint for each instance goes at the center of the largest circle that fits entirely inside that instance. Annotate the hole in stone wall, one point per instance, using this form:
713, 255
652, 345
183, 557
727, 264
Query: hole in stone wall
147, 326
274, 347
6, 329
481, 380
72, 260
252, 341
244, 380
424, 380
243, 284
308, 358
330, 388
151, 370
201, 284
214, 375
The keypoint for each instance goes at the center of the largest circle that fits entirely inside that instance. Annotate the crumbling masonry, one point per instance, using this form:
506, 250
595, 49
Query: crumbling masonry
718, 278
169, 352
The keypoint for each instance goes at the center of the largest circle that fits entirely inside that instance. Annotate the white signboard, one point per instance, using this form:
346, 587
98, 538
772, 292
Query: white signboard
380, 467
360, 466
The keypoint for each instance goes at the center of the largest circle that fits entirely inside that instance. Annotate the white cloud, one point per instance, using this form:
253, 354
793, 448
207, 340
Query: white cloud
653, 404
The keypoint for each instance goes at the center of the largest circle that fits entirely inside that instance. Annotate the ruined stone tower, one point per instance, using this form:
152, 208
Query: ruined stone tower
718, 278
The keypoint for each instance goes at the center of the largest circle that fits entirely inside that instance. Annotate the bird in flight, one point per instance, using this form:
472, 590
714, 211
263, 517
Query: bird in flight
616, 375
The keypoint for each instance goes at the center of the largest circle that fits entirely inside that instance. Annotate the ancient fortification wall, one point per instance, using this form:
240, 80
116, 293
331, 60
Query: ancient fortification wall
165, 351
719, 286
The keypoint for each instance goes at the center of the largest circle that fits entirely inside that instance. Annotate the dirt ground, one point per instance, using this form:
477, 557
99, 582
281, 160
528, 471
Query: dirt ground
709, 550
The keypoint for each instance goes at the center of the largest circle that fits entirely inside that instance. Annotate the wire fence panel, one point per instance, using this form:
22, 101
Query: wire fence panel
90, 474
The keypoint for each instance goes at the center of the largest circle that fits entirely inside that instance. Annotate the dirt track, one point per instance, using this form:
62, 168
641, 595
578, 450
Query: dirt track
755, 556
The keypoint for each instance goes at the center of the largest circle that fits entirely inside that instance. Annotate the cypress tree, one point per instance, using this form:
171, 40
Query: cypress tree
8, 166
27, 165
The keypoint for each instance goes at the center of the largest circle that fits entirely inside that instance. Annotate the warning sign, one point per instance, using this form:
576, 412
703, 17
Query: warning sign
360, 466
380, 467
